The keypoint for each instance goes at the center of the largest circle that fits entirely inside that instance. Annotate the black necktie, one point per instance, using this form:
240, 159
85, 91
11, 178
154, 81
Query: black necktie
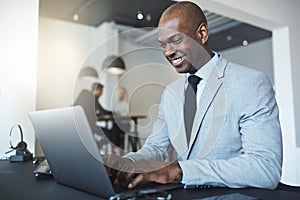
190, 104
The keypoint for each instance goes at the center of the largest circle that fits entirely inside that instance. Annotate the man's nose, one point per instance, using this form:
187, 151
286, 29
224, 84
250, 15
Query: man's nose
169, 50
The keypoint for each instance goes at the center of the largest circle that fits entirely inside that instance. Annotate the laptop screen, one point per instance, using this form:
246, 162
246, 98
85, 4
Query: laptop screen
71, 151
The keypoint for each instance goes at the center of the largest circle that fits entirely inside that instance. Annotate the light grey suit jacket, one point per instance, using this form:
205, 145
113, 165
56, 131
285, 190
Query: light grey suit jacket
236, 135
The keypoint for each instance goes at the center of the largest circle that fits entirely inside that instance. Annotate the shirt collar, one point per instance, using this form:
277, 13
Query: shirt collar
206, 69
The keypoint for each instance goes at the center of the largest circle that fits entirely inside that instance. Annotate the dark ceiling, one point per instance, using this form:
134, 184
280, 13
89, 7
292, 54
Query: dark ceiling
224, 32
242, 34
94, 12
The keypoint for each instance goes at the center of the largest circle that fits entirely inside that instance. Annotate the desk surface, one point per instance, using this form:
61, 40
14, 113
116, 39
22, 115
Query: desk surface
17, 181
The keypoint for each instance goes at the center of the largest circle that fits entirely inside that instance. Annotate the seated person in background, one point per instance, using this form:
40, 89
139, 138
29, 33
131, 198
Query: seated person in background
121, 108
234, 138
90, 104
97, 89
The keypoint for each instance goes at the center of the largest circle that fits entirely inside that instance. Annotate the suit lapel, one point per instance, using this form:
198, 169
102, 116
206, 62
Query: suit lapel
207, 98
213, 84
179, 141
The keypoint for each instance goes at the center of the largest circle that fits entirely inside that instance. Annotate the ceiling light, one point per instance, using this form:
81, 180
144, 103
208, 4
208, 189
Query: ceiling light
245, 43
88, 74
114, 65
139, 15
82, 8
75, 17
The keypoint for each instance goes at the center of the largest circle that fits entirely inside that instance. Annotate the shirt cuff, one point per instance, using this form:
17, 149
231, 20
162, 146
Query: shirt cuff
183, 180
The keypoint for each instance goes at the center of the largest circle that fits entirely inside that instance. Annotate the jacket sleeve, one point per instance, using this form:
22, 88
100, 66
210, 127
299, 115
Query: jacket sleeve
260, 159
157, 144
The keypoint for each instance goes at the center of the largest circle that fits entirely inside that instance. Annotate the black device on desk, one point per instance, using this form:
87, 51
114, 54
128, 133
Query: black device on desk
22, 153
71, 151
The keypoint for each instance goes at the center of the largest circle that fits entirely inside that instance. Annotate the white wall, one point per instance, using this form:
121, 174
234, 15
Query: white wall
104, 41
18, 55
257, 55
280, 17
64, 48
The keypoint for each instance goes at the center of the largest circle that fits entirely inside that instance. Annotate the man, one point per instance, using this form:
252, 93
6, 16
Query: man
89, 101
97, 89
235, 136
90, 104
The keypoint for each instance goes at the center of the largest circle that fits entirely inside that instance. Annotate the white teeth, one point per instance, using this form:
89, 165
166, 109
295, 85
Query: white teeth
177, 61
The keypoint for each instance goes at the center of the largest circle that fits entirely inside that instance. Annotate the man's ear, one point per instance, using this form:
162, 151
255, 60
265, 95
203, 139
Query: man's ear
202, 33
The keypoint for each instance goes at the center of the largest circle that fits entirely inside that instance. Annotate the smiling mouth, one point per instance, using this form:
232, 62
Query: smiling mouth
177, 61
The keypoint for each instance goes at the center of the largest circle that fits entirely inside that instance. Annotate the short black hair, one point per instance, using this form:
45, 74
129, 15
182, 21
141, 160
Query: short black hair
97, 86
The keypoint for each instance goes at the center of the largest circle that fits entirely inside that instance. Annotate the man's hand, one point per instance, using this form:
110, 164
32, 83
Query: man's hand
117, 163
128, 172
131, 174
147, 170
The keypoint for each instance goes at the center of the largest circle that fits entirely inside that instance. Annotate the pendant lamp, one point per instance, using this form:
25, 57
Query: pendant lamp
88, 73
114, 65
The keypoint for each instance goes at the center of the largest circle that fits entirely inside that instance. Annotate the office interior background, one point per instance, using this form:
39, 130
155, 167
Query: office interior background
41, 57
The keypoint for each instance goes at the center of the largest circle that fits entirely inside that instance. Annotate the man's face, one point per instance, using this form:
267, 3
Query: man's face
181, 45
98, 92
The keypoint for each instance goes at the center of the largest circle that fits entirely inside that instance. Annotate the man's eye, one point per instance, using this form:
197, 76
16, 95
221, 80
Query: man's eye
162, 45
177, 40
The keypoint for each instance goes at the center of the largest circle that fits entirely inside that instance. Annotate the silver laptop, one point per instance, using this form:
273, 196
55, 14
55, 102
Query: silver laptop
72, 153
70, 149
